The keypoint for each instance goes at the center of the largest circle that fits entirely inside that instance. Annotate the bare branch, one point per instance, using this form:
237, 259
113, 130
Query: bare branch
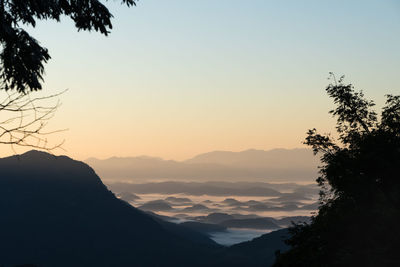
23, 120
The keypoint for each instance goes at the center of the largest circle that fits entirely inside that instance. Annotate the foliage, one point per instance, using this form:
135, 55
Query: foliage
22, 61
21, 56
360, 198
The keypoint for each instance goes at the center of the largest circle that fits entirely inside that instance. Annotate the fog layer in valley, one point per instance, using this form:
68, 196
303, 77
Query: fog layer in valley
230, 196
214, 209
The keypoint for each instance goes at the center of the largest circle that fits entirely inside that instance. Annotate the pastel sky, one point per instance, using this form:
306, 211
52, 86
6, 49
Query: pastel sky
177, 78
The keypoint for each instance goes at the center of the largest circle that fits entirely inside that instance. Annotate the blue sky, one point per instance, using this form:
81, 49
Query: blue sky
176, 78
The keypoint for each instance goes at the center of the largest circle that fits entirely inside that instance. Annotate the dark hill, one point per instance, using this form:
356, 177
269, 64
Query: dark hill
156, 205
258, 252
205, 228
253, 223
56, 212
128, 197
217, 217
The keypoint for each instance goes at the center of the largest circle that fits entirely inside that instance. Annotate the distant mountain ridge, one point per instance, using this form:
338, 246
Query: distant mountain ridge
297, 157
274, 165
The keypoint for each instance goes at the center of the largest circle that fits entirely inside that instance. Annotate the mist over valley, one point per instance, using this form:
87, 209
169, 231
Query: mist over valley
197, 191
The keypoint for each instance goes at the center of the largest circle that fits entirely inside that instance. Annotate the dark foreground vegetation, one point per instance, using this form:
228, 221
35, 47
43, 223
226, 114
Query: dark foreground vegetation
357, 223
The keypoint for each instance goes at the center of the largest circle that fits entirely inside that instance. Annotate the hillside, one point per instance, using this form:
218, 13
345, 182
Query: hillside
57, 212
258, 252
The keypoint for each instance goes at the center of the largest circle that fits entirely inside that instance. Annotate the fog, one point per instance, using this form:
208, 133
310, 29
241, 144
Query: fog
240, 217
242, 194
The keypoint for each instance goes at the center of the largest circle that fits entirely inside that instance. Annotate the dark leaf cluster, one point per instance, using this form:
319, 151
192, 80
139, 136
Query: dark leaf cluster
360, 177
21, 56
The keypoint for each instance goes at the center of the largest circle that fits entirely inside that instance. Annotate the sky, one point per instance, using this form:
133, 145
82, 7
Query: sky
178, 78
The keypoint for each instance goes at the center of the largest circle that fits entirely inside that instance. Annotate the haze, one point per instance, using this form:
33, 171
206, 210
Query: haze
179, 78
278, 165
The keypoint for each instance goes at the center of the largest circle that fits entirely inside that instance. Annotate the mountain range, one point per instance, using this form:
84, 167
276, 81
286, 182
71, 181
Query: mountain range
277, 165
56, 211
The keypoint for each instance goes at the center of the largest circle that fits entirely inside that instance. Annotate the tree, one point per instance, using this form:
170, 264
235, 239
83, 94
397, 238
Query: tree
22, 61
22, 57
24, 120
357, 222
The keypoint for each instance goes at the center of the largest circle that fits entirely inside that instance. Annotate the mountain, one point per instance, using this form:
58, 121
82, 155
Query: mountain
257, 252
56, 211
206, 228
256, 165
185, 231
254, 223
253, 158
156, 205
248, 221
128, 197
217, 218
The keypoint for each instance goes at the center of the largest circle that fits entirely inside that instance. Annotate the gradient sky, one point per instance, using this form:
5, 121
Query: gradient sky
177, 78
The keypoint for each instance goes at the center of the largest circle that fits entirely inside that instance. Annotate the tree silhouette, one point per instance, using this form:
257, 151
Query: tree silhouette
24, 118
21, 56
22, 61
360, 198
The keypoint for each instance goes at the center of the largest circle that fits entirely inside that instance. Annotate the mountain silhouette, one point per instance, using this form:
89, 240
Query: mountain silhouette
273, 165
56, 211
296, 158
254, 223
260, 251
